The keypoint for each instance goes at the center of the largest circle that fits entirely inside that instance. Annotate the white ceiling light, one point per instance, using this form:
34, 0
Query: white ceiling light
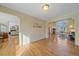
45, 7
71, 26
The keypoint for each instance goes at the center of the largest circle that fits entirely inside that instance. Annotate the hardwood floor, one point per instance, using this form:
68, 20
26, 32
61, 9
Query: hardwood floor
56, 47
9, 46
44, 47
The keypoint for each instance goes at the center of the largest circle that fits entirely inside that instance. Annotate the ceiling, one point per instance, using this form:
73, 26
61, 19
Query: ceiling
34, 9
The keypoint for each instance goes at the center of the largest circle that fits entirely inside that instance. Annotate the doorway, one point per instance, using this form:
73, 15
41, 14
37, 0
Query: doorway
66, 29
61, 28
9, 34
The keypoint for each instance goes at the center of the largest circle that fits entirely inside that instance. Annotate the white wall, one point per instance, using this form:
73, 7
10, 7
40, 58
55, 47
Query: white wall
29, 33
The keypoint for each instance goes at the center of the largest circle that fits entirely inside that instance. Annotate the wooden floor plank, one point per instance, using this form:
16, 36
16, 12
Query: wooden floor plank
58, 47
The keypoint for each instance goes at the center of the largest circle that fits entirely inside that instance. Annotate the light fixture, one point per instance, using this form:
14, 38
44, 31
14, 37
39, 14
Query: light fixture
45, 7
71, 26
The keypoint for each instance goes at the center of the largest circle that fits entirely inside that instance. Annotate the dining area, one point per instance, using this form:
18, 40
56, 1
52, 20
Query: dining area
3, 34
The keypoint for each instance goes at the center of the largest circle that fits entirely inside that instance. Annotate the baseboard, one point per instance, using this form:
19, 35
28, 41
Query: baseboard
38, 40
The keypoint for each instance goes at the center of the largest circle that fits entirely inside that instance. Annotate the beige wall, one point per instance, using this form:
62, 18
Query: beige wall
27, 32
46, 25
71, 22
